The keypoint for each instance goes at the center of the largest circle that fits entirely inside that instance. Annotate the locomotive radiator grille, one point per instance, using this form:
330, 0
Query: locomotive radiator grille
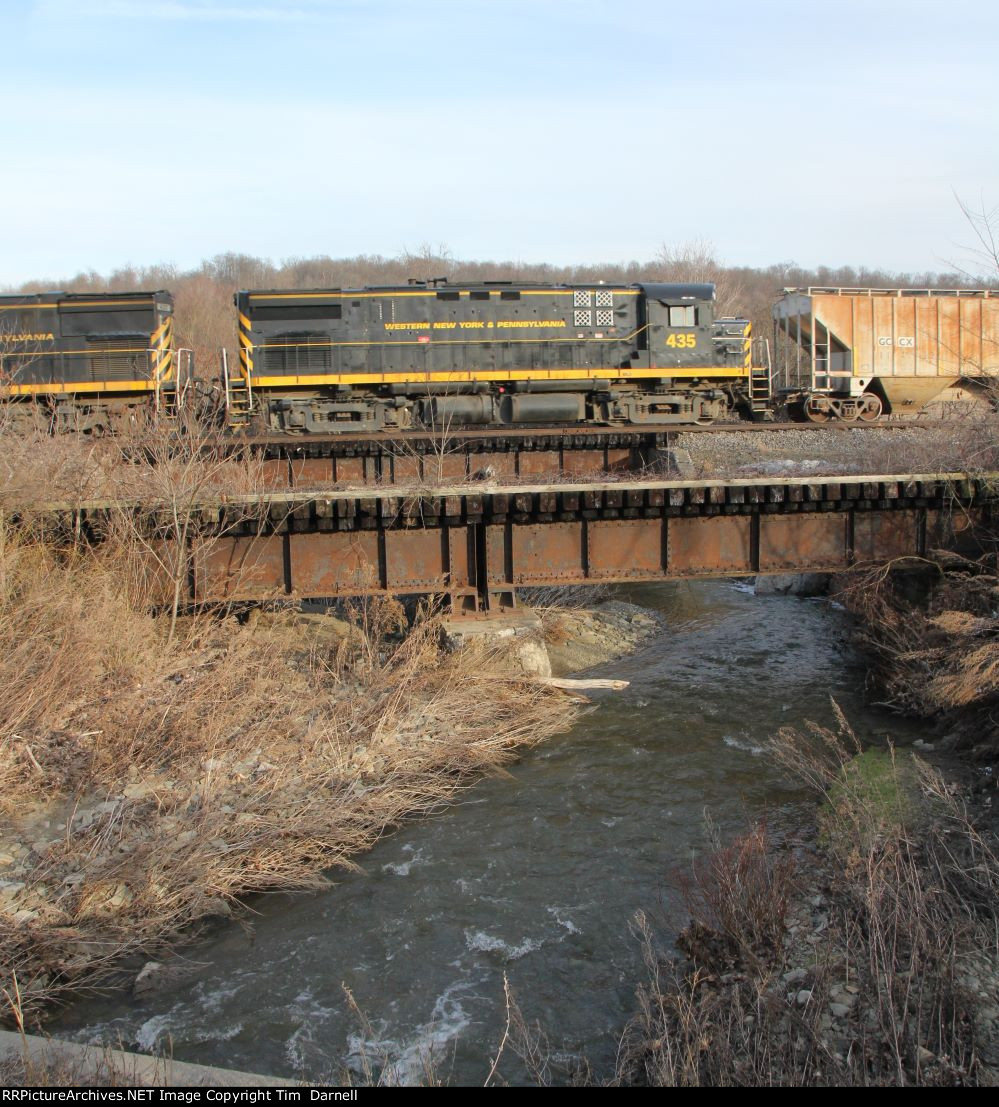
296, 354
118, 359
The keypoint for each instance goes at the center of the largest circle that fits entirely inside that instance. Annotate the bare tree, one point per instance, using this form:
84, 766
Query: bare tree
428, 262
696, 261
984, 223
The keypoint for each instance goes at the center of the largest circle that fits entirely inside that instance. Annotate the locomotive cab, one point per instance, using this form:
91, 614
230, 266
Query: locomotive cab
678, 321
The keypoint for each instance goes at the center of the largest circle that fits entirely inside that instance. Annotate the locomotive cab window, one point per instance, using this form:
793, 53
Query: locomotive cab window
509, 295
476, 295
451, 295
683, 316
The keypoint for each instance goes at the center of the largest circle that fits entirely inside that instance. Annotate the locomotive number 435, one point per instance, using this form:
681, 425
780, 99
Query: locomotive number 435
688, 340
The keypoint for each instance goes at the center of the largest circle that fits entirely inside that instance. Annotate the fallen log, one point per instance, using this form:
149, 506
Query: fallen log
594, 682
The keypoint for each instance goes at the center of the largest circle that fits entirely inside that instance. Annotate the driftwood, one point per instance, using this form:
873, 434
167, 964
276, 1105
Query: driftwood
594, 682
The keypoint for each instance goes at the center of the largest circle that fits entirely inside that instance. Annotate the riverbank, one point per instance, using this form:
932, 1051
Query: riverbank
148, 785
933, 643
152, 777
866, 950
864, 953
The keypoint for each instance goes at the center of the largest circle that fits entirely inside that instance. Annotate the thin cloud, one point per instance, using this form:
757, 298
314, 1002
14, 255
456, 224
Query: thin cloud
200, 11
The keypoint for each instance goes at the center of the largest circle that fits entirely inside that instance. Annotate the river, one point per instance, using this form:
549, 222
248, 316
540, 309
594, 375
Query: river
534, 875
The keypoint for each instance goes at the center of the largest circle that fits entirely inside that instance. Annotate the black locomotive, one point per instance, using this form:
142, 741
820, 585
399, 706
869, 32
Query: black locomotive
92, 360
492, 354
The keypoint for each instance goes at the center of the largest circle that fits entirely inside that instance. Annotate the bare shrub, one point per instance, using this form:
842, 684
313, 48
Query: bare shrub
877, 993
738, 895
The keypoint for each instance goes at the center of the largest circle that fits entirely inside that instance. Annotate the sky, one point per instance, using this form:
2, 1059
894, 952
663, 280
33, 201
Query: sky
566, 131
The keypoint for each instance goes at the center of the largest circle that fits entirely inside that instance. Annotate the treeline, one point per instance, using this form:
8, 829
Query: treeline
203, 295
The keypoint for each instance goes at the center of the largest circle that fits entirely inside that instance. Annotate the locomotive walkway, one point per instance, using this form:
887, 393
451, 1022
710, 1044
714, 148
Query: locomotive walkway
477, 544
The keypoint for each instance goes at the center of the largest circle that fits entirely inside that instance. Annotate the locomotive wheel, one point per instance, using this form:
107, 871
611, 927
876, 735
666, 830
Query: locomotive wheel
871, 408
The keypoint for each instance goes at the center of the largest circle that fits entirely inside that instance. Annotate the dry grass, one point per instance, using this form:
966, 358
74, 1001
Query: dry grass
935, 655
877, 989
152, 461
155, 771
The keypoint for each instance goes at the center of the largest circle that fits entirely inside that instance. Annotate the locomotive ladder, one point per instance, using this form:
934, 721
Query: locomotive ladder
238, 395
761, 383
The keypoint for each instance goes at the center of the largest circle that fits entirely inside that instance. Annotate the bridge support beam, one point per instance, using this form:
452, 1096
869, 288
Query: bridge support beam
478, 546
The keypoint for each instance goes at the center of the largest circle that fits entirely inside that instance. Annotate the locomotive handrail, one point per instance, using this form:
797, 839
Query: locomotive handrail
188, 378
899, 293
224, 359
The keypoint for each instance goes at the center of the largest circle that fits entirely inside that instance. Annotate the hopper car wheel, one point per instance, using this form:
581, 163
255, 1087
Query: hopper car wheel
816, 414
871, 408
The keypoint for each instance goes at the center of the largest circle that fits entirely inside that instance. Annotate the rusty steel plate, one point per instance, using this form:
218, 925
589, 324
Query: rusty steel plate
502, 464
347, 469
405, 467
308, 471
540, 554
461, 557
884, 535
274, 473
415, 560
539, 463
800, 542
239, 569
940, 528
443, 466
625, 549
715, 545
618, 459
583, 461
343, 563
957, 528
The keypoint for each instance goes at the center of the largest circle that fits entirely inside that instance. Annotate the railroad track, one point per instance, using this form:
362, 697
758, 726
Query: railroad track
569, 437
473, 452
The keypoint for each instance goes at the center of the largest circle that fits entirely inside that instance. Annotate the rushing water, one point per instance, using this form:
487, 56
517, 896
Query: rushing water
534, 875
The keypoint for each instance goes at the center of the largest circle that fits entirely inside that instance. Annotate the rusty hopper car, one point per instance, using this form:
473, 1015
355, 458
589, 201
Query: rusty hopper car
93, 360
855, 353
436, 354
